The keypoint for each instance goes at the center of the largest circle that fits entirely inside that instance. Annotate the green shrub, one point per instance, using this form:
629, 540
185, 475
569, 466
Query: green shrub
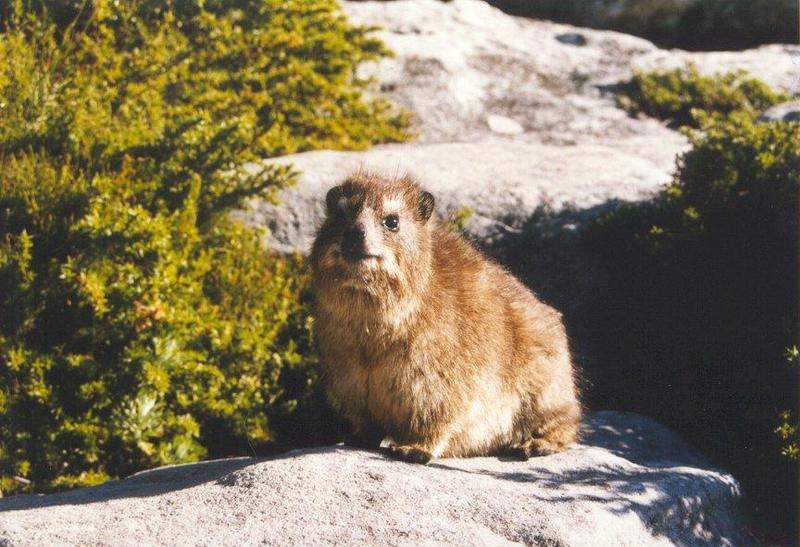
699, 303
787, 429
683, 96
139, 326
459, 219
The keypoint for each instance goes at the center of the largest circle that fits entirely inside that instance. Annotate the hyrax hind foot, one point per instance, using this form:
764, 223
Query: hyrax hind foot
533, 448
551, 437
408, 453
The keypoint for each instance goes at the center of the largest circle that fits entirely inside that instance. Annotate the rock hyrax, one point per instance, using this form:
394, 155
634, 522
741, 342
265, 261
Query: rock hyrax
427, 344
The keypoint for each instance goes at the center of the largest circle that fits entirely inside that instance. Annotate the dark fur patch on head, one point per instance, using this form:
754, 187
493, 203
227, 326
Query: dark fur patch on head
426, 203
332, 198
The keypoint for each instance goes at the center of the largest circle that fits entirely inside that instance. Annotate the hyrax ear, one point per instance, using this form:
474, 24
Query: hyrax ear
426, 203
332, 199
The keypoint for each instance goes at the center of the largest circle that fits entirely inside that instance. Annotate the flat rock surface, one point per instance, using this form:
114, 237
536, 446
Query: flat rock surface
629, 482
502, 181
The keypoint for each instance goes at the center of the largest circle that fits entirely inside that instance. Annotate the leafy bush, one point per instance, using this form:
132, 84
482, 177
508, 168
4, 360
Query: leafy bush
139, 326
738, 24
699, 300
459, 218
683, 96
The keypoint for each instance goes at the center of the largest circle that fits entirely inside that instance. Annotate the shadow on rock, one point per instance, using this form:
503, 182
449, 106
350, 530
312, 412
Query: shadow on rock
144, 484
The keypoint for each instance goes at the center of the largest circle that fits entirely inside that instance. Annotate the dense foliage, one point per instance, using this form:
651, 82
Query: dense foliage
683, 96
732, 24
700, 298
139, 325
687, 24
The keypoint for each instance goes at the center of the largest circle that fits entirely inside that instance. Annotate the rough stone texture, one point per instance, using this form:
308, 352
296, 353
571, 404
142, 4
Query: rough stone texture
458, 62
503, 180
629, 482
513, 113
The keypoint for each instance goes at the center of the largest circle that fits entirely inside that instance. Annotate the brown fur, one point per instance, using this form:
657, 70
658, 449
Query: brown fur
429, 344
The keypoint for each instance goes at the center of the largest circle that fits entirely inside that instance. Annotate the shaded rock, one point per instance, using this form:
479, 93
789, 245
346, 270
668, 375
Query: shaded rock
626, 15
784, 112
629, 482
689, 24
572, 39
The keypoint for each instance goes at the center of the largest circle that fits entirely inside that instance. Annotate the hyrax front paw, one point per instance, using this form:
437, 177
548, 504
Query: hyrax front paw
408, 453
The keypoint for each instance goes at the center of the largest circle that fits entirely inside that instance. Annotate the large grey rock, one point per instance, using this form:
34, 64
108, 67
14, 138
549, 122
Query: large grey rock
502, 180
513, 114
784, 112
630, 482
459, 62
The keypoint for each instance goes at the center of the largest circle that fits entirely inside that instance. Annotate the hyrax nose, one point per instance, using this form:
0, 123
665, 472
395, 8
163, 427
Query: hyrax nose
353, 241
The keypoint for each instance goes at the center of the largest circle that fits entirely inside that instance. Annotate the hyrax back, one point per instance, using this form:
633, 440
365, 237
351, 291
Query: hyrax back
428, 344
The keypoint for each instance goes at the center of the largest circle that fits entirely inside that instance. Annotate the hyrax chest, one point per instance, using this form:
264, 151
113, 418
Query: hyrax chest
390, 385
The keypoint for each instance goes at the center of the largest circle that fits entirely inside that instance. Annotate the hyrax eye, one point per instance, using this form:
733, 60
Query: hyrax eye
392, 222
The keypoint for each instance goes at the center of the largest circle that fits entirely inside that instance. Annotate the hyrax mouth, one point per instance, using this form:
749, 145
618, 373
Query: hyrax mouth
358, 257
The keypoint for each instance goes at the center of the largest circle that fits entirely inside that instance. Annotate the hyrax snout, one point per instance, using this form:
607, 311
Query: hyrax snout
427, 344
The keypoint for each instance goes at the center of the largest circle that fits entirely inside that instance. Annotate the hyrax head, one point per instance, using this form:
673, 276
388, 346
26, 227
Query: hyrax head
375, 235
